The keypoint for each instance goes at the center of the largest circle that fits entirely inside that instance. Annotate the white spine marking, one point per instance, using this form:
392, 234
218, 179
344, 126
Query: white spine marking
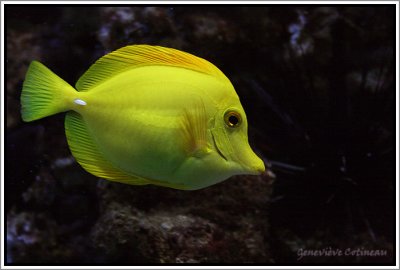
80, 102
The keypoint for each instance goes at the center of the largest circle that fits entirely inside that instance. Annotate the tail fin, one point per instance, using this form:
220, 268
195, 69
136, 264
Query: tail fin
43, 93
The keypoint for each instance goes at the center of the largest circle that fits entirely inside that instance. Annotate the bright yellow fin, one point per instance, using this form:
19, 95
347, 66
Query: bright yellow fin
194, 129
88, 155
43, 93
143, 55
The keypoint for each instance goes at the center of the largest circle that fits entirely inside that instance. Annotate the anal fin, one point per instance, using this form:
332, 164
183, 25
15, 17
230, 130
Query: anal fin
88, 155
91, 159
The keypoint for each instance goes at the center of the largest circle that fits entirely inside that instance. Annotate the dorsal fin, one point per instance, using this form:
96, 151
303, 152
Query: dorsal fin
143, 55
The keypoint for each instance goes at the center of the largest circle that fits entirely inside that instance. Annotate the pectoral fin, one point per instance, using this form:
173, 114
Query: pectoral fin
194, 129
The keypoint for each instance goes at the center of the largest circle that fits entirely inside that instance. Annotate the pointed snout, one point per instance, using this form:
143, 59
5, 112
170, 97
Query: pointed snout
260, 168
257, 167
252, 164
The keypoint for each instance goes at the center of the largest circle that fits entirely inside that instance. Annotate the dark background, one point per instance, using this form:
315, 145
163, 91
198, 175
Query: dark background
317, 84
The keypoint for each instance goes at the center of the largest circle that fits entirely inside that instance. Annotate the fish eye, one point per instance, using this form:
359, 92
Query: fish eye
232, 119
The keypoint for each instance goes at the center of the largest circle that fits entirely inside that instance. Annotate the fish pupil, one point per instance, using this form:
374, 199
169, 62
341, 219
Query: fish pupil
233, 120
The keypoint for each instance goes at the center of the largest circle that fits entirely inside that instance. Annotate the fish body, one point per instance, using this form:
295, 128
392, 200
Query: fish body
148, 115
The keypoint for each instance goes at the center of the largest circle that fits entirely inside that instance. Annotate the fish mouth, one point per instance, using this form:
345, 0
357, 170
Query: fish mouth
255, 167
216, 147
255, 170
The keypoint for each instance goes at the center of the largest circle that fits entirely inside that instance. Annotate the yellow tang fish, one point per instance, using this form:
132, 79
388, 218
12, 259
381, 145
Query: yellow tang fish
148, 115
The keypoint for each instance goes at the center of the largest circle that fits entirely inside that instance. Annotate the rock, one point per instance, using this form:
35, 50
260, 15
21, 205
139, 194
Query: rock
155, 225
